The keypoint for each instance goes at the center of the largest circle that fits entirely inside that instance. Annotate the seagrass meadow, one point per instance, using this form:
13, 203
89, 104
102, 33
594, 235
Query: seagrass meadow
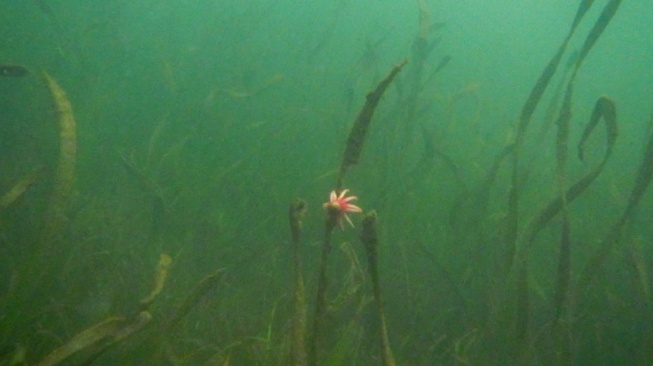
345, 182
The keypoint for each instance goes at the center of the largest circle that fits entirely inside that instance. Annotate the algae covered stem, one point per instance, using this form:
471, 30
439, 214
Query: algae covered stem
339, 205
369, 237
358, 131
320, 302
65, 171
298, 350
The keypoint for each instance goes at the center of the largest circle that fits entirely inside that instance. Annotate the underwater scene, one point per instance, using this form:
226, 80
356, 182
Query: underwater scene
343, 182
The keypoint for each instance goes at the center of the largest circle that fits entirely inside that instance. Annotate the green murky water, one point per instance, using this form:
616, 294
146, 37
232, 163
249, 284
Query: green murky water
195, 124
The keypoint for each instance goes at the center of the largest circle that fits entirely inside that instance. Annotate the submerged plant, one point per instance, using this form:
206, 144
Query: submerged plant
56, 217
339, 205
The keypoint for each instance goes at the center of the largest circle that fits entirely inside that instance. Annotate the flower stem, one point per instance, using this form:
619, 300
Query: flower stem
369, 237
298, 348
320, 301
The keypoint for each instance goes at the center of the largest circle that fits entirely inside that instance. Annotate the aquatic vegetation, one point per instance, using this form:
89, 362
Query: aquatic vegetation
604, 109
358, 132
298, 353
101, 335
339, 205
65, 171
369, 237
481, 240
161, 273
642, 182
109, 332
19, 189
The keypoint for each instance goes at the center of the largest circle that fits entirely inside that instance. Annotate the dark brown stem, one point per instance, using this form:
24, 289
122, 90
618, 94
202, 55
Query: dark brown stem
320, 301
369, 238
358, 131
298, 347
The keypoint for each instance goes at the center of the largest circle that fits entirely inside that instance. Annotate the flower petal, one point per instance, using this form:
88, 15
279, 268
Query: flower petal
340, 223
353, 208
348, 219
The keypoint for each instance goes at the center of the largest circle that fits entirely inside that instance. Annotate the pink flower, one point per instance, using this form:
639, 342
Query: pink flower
339, 205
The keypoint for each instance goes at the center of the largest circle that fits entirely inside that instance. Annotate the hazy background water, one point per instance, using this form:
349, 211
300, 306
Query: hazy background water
199, 122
